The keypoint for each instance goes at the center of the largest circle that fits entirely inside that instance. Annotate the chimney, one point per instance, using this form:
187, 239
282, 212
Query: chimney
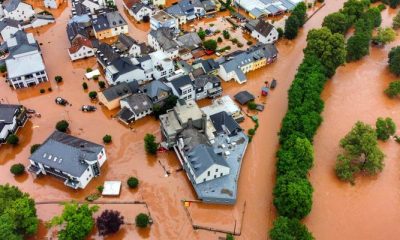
204, 122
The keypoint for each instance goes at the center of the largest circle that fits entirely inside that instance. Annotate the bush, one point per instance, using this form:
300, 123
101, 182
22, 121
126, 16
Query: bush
3, 68
88, 70
12, 139
252, 132
49, 89
202, 34
280, 32
35, 147
210, 45
100, 188
42, 90
252, 105
384, 36
249, 43
150, 144
142, 220
286, 228
381, 7
107, 138
133, 182
385, 128
62, 126
102, 84
240, 44
58, 79
109, 222
17, 169
229, 237
93, 95
226, 34
396, 21
234, 40
84, 86
394, 89
394, 61
219, 40
96, 77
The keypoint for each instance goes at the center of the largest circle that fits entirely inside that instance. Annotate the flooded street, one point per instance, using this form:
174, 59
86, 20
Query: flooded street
355, 93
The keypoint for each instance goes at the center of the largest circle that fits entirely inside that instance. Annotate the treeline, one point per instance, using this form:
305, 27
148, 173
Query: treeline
295, 21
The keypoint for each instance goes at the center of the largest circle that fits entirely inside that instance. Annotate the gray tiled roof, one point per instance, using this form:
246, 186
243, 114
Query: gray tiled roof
7, 112
138, 103
202, 157
66, 153
165, 37
190, 40
180, 82
8, 22
11, 5
202, 80
153, 88
222, 121
74, 29
120, 89
126, 40
138, 6
243, 97
108, 20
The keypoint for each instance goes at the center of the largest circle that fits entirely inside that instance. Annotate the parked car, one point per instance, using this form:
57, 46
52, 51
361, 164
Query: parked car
30, 111
273, 84
88, 108
61, 101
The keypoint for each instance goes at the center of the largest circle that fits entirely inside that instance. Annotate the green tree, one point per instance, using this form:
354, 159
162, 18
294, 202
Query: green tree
374, 14
394, 89
280, 32
93, 95
357, 46
102, 84
13, 139
229, 237
385, 128
133, 182
142, 220
18, 217
336, 22
354, 9
394, 60
35, 147
107, 138
17, 169
84, 86
210, 45
150, 144
252, 105
3, 68
300, 12
291, 28
327, 47
396, 21
219, 39
58, 79
393, 3
76, 221
289, 229
226, 34
384, 36
62, 126
202, 34
293, 195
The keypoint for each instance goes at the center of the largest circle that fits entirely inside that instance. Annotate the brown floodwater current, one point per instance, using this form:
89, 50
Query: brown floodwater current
365, 211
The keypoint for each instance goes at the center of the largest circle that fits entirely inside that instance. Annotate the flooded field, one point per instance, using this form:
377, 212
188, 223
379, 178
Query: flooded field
164, 195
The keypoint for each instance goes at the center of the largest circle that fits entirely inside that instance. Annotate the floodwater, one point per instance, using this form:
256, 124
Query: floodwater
164, 195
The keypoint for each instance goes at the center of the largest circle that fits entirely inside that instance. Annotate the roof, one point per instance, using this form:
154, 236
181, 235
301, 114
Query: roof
120, 90
78, 43
162, 16
165, 38
67, 153
11, 5
224, 123
126, 40
7, 112
108, 20
24, 65
264, 28
202, 80
106, 54
153, 88
190, 40
208, 65
180, 82
8, 22
244, 97
138, 6
74, 29
138, 103
130, 3
111, 188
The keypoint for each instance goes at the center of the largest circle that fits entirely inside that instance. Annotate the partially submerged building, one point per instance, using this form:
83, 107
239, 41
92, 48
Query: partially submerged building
111, 96
12, 117
135, 107
260, 8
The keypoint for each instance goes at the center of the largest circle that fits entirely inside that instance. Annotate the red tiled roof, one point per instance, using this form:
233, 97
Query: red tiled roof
78, 43
130, 3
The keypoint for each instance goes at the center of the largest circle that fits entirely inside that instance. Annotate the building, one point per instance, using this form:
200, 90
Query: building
111, 96
260, 8
159, 2
18, 10
25, 66
110, 24
135, 107
73, 160
130, 47
39, 20
263, 31
164, 39
161, 19
140, 11
76, 30
157, 91
236, 65
207, 86
182, 87
204, 67
12, 117
8, 27
81, 48
224, 104
188, 10
53, 3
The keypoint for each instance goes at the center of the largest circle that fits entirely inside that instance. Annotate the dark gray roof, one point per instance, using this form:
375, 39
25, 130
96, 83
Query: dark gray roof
11, 5
124, 65
66, 153
125, 114
138, 103
202, 80
165, 38
108, 20
105, 51
175, 9
80, 9
202, 157
138, 6
8, 22
153, 88
224, 123
263, 27
180, 82
208, 65
120, 90
23, 45
74, 29
126, 40
244, 97
7, 112
190, 40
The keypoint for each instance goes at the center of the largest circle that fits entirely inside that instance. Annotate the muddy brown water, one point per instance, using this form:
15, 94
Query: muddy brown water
339, 211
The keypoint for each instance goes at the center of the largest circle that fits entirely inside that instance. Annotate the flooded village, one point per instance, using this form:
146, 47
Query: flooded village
236, 198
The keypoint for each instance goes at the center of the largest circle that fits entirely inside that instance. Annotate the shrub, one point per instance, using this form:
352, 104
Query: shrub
280, 32
84, 86
394, 60
234, 40
58, 79
252, 132
396, 21
150, 144
3, 68
62, 126
107, 138
17, 169
100, 188
109, 222
249, 43
286, 228
229, 237
252, 105
219, 40
88, 70
226, 34
142, 220
35, 147
202, 34
385, 128
394, 89
384, 36
42, 90
133, 182
102, 84
210, 45
49, 89
93, 95
96, 77
12, 139
240, 44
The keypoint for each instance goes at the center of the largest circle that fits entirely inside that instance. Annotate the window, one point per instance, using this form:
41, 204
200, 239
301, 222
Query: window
208, 173
215, 176
216, 170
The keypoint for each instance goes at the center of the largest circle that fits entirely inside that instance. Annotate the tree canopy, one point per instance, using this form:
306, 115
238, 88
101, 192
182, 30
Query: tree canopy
394, 89
291, 28
384, 36
394, 60
109, 222
210, 45
289, 229
150, 144
337, 22
396, 21
357, 47
385, 128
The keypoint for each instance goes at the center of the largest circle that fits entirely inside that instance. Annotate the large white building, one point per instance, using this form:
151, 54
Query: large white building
81, 48
18, 10
162, 19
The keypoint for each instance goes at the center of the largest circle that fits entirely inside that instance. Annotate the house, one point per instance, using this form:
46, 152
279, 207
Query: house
130, 47
188, 10
161, 19
189, 40
75, 30
157, 65
207, 86
81, 48
53, 3
182, 87
262, 30
105, 54
135, 107
124, 69
204, 67
17, 10
157, 91
110, 24
260, 8
24, 64
140, 11
224, 104
111, 96
236, 65
164, 39
159, 2
39, 20
8, 27
12, 117
73, 160
244, 97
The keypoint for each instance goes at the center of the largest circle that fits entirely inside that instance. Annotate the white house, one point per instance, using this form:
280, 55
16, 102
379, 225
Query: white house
263, 31
81, 48
135, 107
8, 27
18, 10
139, 11
74, 160
11, 118
54, 4
162, 19
182, 87
159, 2
41, 20
164, 39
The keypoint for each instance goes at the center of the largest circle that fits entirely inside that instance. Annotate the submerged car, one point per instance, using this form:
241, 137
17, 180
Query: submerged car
88, 108
61, 101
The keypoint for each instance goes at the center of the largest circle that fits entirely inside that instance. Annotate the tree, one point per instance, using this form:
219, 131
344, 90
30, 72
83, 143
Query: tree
142, 220
133, 182
210, 45
394, 89
226, 34
396, 21
385, 128
229, 237
62, 126
354, 9
18, 217
293, 195
202, 34
357, 47
327, 47
150, 144
107, 138
109, 222
17, 169
336, 22
361, 153
3, 68
384, 36
289, 229
84, 86
252, 105
93, 95
58, 79
228, 3
35, 147
102, 84
291, 28
280, 32
393, 3
300, 12
88, 70
374, 15
76, 221
13, 139
394, 60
